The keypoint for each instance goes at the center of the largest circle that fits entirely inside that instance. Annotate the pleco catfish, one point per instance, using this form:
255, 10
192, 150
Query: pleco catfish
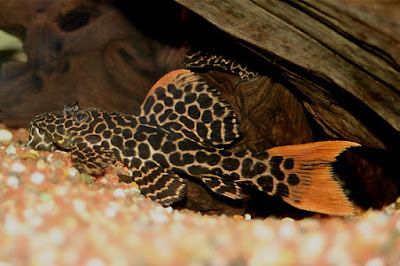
182, 127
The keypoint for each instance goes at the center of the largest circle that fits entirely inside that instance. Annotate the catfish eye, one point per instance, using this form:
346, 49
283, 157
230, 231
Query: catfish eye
81, 117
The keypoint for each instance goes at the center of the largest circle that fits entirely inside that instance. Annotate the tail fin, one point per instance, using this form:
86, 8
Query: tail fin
309, 182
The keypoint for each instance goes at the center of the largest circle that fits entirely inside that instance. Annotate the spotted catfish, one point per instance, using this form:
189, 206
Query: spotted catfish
183, 127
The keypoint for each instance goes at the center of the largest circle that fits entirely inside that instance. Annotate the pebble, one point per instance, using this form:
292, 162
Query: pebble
79, 205
71, 172
35, 220
119, 193
30, 154
11, 225
268, 255
28, 213
312, 246
41, 164
178, 216
37, 178
135, 192
263, 232
309, 224
112, 210
58, 163
158, 215
366, 230
5, 165
18, 167
169, 209
378, 218
375, 262
70, 222
95, 262
11, 150
56, 236
46, 207
397, 225
12, 181
238, 217
50, 158
46, 256
287, 228
5, 136
45, 197
61, 190
86, 178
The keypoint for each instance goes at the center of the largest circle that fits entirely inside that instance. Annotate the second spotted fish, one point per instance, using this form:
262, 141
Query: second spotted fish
184, 127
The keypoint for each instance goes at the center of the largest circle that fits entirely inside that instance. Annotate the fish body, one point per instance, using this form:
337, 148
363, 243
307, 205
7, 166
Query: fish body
184, 127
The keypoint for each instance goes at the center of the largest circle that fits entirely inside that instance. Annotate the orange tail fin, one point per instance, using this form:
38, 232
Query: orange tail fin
309, 182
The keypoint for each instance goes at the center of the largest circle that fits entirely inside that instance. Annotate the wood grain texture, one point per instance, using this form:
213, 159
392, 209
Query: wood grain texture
269, 114
322, 45
77, 51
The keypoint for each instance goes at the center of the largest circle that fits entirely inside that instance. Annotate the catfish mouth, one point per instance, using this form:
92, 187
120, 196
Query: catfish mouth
41, 139
45, 144
40, 143
63, 145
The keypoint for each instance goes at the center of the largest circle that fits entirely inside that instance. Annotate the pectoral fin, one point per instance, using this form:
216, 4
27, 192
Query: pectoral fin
159, 184
91, 161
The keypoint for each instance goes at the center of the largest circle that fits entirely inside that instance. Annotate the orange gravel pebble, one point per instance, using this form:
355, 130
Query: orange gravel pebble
50, 214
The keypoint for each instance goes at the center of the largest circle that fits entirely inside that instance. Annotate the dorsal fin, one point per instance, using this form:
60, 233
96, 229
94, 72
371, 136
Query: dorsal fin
204, 60
180, 101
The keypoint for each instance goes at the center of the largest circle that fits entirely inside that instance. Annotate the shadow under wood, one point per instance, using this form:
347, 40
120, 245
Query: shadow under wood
370, 176
260, 205
341, 114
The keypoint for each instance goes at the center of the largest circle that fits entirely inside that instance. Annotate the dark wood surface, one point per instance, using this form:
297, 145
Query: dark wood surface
78, 51
343, 56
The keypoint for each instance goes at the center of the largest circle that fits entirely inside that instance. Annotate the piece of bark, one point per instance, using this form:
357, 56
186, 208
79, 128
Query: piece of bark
332, 44
78, 51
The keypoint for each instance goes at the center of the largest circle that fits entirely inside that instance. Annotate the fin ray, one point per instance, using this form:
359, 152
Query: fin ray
218, 186
160, 185
308, 177
94, 164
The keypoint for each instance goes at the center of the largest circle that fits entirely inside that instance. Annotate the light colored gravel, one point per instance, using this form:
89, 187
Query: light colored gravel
50, 214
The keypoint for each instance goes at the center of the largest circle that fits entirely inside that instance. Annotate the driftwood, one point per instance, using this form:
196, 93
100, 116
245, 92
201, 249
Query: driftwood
77, 51
342, 56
